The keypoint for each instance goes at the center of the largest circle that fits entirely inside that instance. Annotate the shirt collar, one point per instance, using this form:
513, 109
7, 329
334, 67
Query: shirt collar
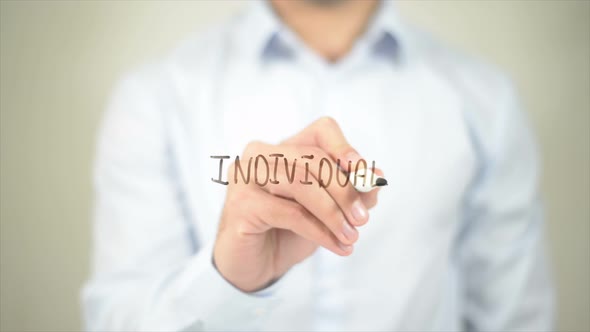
258, 30
263, 35
385, 34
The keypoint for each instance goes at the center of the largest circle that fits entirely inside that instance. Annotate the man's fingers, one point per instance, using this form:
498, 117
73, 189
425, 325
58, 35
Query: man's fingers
320, 169
326, 134
285, 214
318, 202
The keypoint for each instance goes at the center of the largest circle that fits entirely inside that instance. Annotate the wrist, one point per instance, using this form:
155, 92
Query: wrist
246, 285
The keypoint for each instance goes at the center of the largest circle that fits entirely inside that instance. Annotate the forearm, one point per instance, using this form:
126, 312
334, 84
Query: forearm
192, 295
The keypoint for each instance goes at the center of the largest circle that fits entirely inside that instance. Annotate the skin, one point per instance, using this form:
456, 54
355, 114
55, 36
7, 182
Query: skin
329, 27
265, 230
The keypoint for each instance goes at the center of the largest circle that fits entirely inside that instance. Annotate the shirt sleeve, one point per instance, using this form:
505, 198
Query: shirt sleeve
148, 271
507, 285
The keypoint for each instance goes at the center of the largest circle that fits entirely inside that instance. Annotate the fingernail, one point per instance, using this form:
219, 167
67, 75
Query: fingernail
345, 247
359, 212
349, 232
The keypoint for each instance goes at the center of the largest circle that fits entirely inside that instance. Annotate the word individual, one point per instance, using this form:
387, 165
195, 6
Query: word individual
262, 171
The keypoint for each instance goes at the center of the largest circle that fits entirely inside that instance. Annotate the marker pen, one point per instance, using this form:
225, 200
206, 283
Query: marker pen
366, 180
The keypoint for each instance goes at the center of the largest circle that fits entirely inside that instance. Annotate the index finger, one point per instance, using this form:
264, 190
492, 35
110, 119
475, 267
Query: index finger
326, 134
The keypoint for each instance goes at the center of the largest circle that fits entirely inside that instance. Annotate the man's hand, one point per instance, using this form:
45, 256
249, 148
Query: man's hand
265, 230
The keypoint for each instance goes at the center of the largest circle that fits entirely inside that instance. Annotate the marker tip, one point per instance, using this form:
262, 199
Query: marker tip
380, 182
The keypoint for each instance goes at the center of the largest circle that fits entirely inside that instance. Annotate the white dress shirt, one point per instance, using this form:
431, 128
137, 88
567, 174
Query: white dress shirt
455, 242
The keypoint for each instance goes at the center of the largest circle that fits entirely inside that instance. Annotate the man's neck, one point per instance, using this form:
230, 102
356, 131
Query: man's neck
329, 27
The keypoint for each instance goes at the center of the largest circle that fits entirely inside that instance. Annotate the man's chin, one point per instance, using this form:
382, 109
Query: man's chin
326, 3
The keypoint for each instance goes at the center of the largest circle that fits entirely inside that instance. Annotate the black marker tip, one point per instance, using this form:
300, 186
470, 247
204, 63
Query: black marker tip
380, 182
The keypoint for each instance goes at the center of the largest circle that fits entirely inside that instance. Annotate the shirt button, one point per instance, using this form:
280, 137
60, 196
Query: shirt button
259, 311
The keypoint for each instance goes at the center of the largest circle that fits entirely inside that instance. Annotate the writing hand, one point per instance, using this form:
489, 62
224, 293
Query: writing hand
265, 230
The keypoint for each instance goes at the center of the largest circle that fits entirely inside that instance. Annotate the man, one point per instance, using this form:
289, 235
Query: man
455, 243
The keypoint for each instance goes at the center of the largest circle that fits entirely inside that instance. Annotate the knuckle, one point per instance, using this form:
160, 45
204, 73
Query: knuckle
346, 149
296, 213
240, 196
273, 190
317, 152
328, 121
303, 150
252, 147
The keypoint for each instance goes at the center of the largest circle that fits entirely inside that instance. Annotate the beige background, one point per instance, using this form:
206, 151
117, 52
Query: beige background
59, 61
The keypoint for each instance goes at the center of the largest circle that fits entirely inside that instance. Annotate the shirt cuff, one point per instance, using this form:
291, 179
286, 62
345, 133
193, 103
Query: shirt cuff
223, 306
